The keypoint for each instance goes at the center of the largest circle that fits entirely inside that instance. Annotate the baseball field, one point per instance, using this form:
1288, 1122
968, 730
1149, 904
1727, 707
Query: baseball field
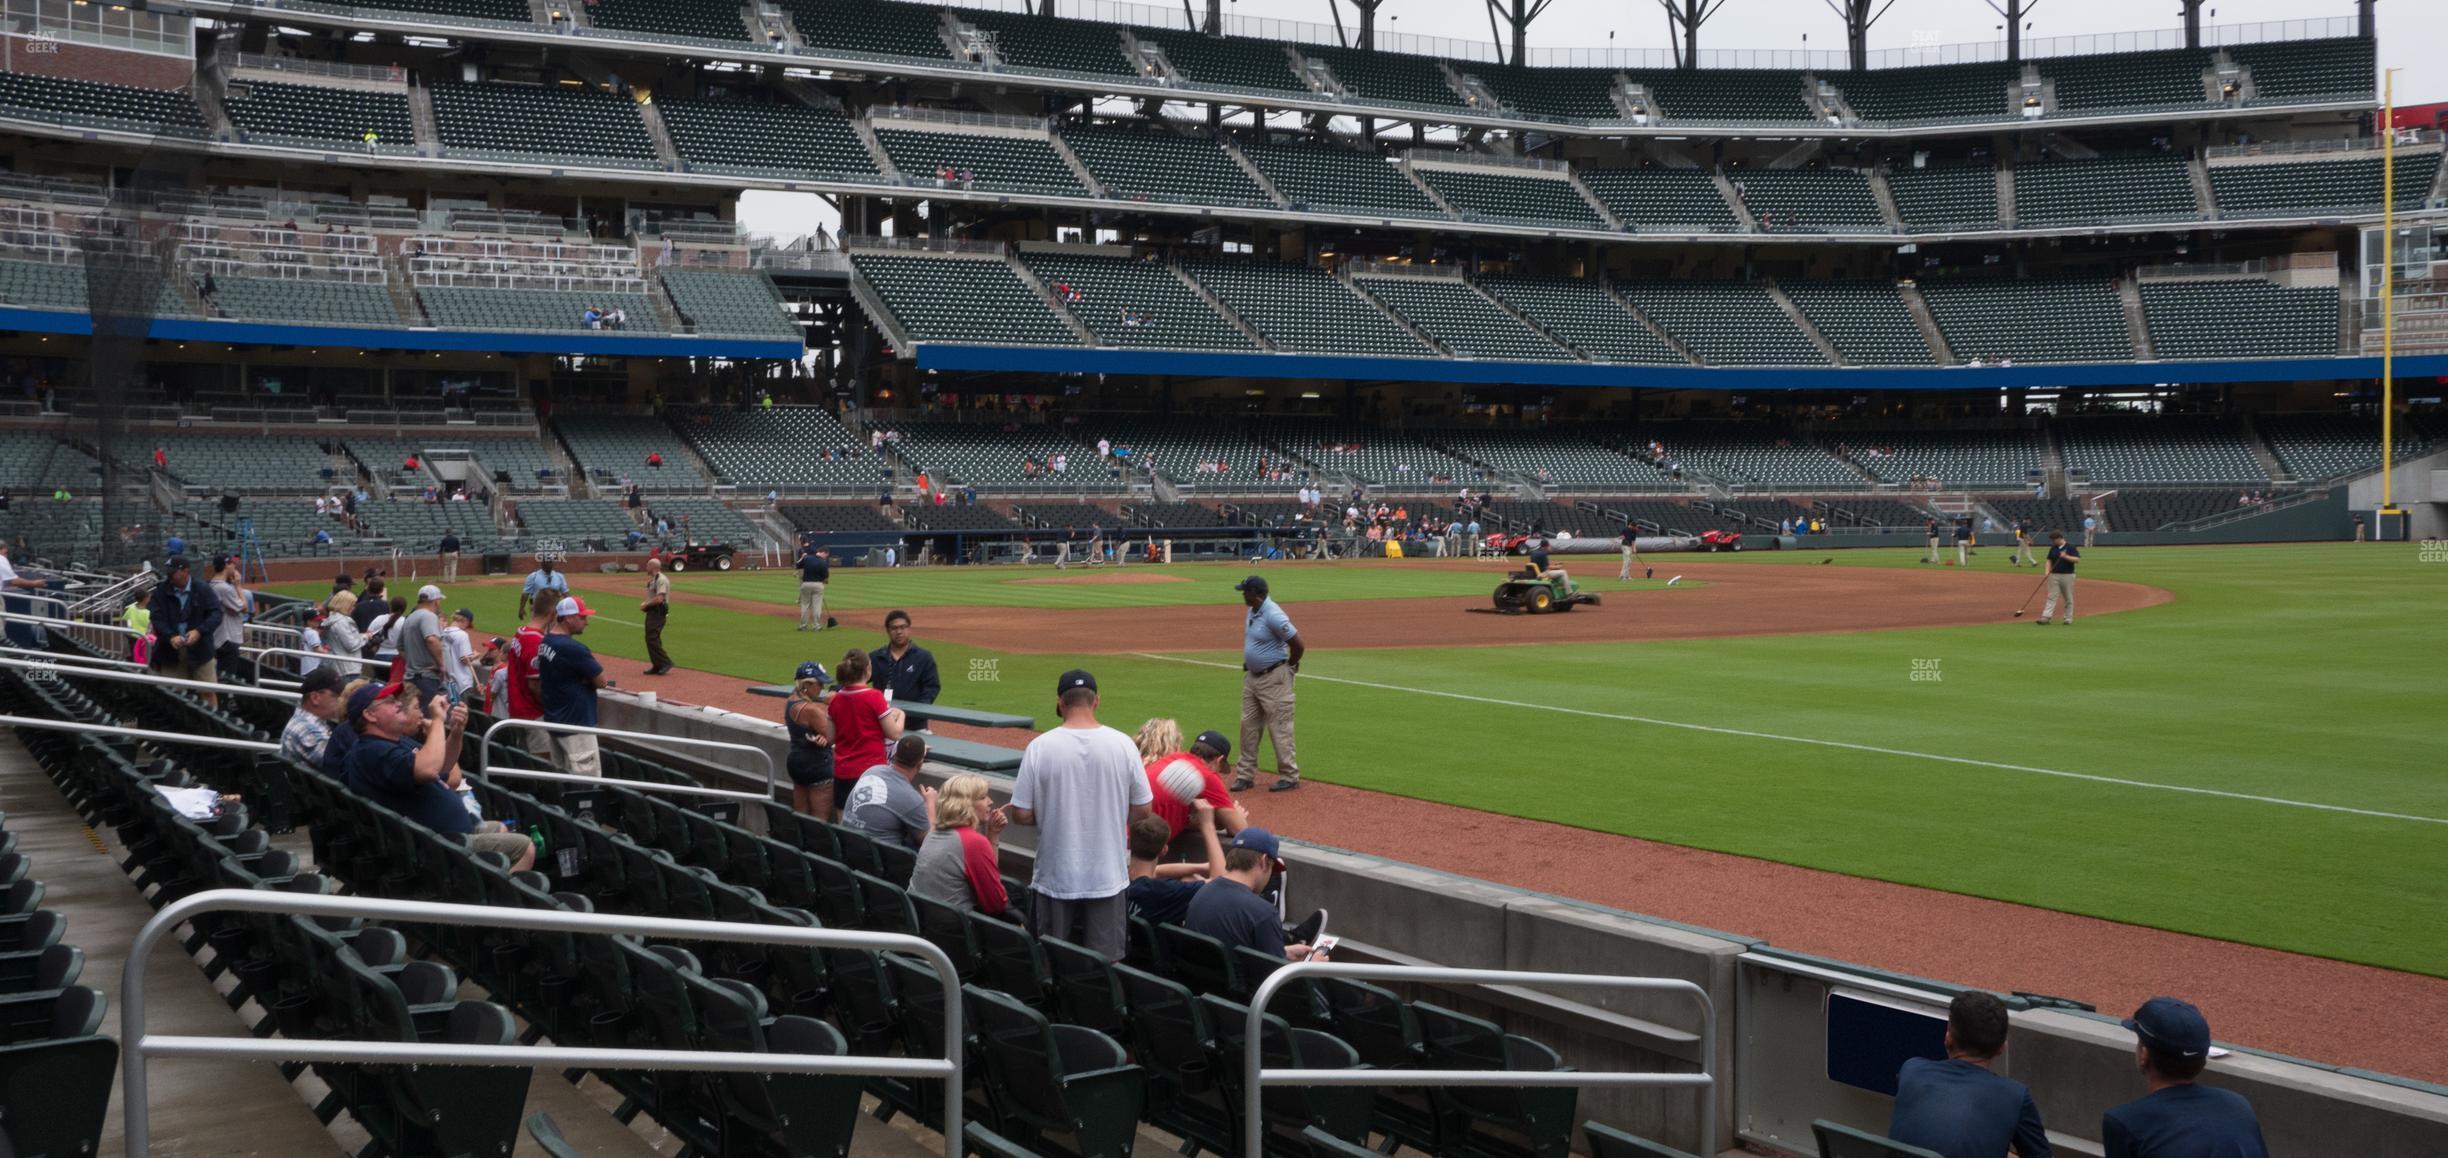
2231, 742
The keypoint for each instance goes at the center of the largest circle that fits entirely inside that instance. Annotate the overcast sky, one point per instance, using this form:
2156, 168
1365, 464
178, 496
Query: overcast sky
2413, 34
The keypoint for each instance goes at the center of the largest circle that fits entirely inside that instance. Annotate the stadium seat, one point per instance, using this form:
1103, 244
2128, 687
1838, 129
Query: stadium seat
788, 448
1328, 178
115, 106
1155, 164
1932, 94
1867, 321
2171, 449
1164, 312
1943, 197
1524, 1121
2318, 188
2108, 190
2302, 71
319, 114
1059, 1079
729, 304
2129, 81
1585, 316
306, 299
2065, 320
527, 123
938, 299
1459, 319
1725, 95
1821, 199
1564, 93
679, 19
877, 28
2240, 319
1387, 78
1007, 164
1037, 43
1303, 308
1663, 200
1511, 198
731, 136
1725, 323
1230, 62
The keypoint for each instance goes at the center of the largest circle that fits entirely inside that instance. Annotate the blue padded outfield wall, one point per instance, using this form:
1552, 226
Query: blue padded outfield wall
933, 356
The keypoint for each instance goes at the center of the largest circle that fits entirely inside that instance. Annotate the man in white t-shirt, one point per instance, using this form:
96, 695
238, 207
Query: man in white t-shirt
1082, 785
459, 654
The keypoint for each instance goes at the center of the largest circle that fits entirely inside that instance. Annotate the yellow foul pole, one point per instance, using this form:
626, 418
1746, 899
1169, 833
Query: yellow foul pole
2388, 298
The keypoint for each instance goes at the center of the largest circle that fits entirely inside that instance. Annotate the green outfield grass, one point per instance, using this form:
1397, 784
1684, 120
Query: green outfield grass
2285, 687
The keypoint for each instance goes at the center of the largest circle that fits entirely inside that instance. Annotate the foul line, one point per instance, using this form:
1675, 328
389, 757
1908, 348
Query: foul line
1871, 748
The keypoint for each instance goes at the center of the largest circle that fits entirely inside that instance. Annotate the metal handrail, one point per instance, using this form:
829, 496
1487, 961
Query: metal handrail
56, 658
326, 657
484, 755
1254, 1075
67, 624
141, 734
156, 681
141, 1046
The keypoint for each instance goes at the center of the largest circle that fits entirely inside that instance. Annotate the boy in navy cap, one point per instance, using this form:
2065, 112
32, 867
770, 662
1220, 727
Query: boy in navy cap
2177, 1118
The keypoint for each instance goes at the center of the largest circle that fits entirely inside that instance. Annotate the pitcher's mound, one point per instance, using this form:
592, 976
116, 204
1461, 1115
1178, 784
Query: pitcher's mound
1107, 577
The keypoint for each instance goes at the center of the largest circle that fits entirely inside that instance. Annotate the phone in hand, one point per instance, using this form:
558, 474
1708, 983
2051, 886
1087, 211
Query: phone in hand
1324, 945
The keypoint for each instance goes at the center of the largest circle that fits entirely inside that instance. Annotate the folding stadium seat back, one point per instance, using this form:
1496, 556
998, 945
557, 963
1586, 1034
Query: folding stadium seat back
55, 967
1085, 989
896, 863
1201, 962
1344, 1111
1609, 1142
1840, 1141
1059, 1079
1009, 960
840, 902
1171, 1036
948, 927
809, 1114
1531, 1122
70, 1078
887, 906
920, 994
32, 932
75, 1011
863, 1001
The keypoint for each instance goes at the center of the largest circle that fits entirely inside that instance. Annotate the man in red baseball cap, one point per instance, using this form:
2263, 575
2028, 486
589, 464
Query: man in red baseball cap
568, 676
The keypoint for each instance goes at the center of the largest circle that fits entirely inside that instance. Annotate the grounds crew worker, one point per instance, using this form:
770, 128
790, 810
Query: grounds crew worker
1270, 656
1631, 549
2062, 556
2023, 543
814, 573
1932, 527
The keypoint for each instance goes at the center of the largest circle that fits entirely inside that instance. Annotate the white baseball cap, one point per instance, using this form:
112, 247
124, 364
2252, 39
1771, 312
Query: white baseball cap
429, 594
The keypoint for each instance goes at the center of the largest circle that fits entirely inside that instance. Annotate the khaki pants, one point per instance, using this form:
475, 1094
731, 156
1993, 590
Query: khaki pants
1266, 704
1062, 556
2087, 533
450, 566
1631, 555
2059, 586
811, 605
580, 755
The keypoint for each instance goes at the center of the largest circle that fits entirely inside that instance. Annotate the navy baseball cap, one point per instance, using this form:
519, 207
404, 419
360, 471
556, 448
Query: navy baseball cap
1213, 741
2173, 1025
1259, 840
1075, 678
174, 563
1255, 583
322, 679
811, 670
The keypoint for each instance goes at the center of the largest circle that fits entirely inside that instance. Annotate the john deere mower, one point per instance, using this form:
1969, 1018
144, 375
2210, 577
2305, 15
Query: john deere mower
1531, 592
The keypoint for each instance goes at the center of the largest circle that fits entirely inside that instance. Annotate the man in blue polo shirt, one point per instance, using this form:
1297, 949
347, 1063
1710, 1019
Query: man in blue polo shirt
1958, 1107
544, 585
408, 761
2178, 1119
1271, 652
